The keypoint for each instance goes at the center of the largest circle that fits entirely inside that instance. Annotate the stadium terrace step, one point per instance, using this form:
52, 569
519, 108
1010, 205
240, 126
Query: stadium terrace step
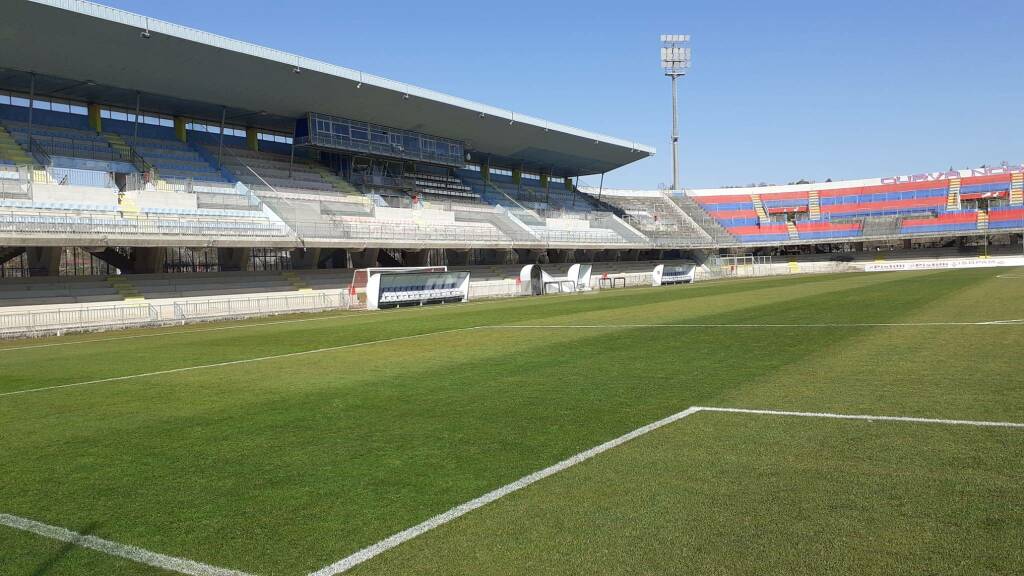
296, 281
793, 233
1017, 189
11, 151
124, 287
814, 205
762, 214
953, 197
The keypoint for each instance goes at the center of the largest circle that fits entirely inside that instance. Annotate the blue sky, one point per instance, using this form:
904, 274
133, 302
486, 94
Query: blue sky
778, 91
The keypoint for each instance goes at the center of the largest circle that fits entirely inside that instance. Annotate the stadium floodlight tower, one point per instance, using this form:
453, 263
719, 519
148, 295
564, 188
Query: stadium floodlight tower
675, 61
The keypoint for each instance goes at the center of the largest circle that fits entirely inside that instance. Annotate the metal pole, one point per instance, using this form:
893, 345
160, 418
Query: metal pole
600, 189
220, 147
291, 159
135, 135
31, 105
675, 134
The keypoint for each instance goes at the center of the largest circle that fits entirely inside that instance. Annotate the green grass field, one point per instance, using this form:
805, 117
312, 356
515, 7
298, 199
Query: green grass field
280, 446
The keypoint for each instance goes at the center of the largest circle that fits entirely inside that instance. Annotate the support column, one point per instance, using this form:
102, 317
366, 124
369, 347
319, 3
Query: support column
415, 257
179, 128
457, 257
305, 259
44, 261
529, 256
148, 260
497, 256
561, 256
568, 183
95, 120
365, 258
335, 258
517, 176
485, 172
233, 259
252, 140
544, 180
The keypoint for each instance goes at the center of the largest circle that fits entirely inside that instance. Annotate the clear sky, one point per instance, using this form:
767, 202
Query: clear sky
778, 91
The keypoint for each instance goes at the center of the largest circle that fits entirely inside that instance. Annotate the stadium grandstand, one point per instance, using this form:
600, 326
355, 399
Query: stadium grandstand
254, 166
369, 328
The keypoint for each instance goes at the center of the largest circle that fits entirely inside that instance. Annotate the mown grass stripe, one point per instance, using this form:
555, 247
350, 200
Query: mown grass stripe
234, 362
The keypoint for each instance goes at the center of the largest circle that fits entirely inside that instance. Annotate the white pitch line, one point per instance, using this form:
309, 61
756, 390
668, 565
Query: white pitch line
399, 538
410, 533
234, 362
982, 423
133, 553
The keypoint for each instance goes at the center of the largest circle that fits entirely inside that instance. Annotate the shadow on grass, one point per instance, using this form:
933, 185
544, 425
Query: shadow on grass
48, 564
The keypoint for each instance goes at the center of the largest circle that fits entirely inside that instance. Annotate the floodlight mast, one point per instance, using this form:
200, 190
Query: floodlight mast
675, 61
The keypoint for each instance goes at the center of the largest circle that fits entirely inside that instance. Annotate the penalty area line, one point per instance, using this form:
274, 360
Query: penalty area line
133, 553
399, 538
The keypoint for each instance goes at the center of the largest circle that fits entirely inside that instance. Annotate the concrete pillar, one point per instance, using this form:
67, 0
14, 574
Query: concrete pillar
415, 257
561, 256
530, 256
568, 184
457, 257
333, 258
95, 120
148, 260
544, 179
517, 176
179, 128
364, 258
233, 259
252, 140
44, 261
305, 259
497, 256
485, 172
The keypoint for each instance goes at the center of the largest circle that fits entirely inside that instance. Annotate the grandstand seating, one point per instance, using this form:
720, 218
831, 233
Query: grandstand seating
161, 286
280, 172
56, 290
659, 218
957, 221
1006, 217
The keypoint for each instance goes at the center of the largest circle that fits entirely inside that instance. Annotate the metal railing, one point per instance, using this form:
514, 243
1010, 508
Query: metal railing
94, 318
97, 226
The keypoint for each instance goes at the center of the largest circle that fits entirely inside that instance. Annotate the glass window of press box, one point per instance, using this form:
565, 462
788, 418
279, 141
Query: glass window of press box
355, 136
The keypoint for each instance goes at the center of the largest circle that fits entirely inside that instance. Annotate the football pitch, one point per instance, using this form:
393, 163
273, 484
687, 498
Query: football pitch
848, 424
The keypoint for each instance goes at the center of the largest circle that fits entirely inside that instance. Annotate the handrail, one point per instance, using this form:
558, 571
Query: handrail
37, 150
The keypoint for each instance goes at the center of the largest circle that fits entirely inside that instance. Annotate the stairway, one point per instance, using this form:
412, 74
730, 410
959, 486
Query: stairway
339, 183
814, 205
125, 150
953, 196
124, 287
762, 214
128, 206
791, 228
1017, 189
982, 220
12, 151
295, 280
703, 219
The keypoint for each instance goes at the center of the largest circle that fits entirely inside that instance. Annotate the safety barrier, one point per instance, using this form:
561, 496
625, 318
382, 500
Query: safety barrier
95, 318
